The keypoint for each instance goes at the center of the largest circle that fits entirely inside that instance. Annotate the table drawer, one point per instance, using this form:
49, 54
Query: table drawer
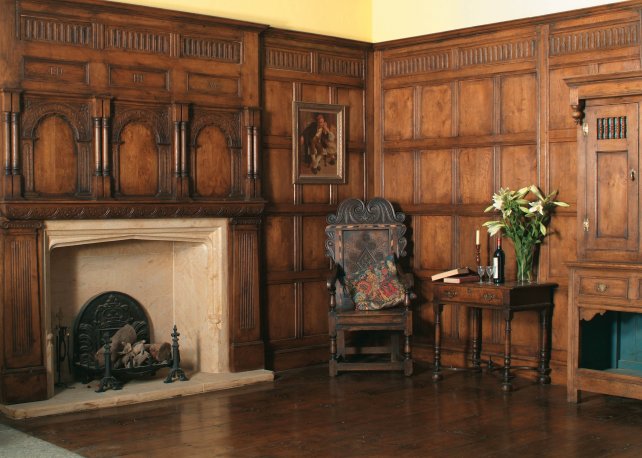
598, 285
469, 295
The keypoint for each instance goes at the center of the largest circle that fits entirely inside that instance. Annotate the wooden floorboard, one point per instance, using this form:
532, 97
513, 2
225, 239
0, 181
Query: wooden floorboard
306, 413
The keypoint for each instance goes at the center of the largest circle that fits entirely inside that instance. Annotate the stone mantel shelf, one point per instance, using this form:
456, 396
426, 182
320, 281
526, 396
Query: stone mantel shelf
39, 210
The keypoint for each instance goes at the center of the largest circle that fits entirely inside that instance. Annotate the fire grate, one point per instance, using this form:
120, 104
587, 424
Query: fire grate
99, 319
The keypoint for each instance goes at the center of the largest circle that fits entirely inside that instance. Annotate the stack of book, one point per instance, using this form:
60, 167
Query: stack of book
458, 275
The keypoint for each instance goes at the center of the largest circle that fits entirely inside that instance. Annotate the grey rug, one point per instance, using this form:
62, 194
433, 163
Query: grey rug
14, 443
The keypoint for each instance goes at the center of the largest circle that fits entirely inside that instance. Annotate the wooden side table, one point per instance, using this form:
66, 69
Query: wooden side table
509, 298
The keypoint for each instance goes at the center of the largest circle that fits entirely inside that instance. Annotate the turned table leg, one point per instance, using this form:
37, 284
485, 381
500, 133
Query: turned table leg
543, 369
506, 383
436, 373
477, 325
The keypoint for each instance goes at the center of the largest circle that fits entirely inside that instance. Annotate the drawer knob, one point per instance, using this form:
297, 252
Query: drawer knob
488, 296
601, 287
450, 293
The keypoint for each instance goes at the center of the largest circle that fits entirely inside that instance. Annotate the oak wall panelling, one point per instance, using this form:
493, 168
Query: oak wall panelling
466, 112
316, 69
119, 111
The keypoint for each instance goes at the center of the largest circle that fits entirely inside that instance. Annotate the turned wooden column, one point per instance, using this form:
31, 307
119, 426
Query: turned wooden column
22, 369
251, 117
180, 118
246, 345
12, 174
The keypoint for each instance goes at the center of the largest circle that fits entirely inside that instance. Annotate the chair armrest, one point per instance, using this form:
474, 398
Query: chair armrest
407, 279
332, 279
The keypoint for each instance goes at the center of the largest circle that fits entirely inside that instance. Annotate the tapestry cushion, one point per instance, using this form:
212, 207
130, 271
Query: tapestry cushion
376, 287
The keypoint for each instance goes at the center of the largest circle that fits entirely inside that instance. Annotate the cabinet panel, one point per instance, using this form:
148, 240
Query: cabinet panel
610, 209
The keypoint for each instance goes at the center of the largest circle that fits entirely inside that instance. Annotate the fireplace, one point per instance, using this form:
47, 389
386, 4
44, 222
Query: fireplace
184, 271
174, 267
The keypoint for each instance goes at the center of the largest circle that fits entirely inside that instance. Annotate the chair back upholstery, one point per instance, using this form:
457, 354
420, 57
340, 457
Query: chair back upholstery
362, 234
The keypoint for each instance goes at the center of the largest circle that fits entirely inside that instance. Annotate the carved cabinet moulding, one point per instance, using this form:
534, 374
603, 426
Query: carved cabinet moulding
587, 87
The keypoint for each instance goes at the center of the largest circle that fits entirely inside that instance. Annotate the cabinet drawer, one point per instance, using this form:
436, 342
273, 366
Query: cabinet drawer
592, 285
469, 295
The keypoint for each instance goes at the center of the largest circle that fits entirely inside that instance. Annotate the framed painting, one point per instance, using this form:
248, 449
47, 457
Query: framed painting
318, 143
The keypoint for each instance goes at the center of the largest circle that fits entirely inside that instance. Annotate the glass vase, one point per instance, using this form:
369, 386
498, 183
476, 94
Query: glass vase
525, 256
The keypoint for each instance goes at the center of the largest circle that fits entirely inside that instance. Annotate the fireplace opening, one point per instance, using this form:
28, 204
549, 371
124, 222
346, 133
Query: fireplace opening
175, 268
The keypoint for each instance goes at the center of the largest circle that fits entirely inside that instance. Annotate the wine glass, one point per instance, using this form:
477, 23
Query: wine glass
490, 270
480, 271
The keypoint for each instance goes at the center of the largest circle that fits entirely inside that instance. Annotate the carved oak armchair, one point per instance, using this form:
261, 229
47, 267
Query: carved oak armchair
370, 296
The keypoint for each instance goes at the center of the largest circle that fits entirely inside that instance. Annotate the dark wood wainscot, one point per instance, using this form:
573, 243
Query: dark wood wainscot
118, 111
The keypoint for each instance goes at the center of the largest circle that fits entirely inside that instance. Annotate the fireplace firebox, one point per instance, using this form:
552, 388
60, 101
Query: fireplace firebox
103, 350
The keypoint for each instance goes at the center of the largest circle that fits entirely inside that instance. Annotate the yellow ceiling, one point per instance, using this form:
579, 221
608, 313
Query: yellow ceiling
371, 20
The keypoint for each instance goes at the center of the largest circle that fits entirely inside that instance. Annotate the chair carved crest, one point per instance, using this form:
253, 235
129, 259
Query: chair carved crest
362, 233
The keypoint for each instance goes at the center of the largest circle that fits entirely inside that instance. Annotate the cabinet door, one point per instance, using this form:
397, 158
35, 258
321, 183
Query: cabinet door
608, 174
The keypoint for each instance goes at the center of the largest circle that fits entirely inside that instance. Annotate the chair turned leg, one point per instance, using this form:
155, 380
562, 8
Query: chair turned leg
333, 356
407, 359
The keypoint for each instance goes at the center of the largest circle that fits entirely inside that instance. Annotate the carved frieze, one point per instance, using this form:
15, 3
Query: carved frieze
37, 212
211, 48
595, 39
56, 30
148, 41
338, 65
497, 53
418, 63
288, 59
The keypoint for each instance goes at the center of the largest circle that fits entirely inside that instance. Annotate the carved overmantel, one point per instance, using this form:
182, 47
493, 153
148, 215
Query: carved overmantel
114, 111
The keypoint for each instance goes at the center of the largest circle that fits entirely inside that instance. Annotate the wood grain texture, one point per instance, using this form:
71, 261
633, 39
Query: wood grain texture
464, 415
302, 67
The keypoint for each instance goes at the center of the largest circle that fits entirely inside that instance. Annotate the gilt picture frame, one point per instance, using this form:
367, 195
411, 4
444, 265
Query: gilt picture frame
318, 143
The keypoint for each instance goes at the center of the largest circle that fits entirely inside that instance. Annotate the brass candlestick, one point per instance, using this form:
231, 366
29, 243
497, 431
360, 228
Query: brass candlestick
477, 254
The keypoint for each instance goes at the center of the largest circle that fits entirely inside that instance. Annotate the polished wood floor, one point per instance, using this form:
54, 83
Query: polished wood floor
306, 413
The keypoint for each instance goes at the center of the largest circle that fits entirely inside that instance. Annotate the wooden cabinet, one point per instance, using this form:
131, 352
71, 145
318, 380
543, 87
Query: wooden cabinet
605, 284
608, 183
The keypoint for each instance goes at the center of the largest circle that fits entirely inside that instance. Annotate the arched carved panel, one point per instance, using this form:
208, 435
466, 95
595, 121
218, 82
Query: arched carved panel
55, 164
212, 164
137, 168
215, 153
141, 152
55, 148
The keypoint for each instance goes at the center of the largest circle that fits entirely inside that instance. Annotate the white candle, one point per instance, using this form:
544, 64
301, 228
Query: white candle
477, 237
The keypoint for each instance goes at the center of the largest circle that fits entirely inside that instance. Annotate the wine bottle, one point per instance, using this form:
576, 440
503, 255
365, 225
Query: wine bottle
498, 262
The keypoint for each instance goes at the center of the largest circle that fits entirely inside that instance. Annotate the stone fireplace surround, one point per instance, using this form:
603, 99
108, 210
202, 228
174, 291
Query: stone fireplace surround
176, 268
